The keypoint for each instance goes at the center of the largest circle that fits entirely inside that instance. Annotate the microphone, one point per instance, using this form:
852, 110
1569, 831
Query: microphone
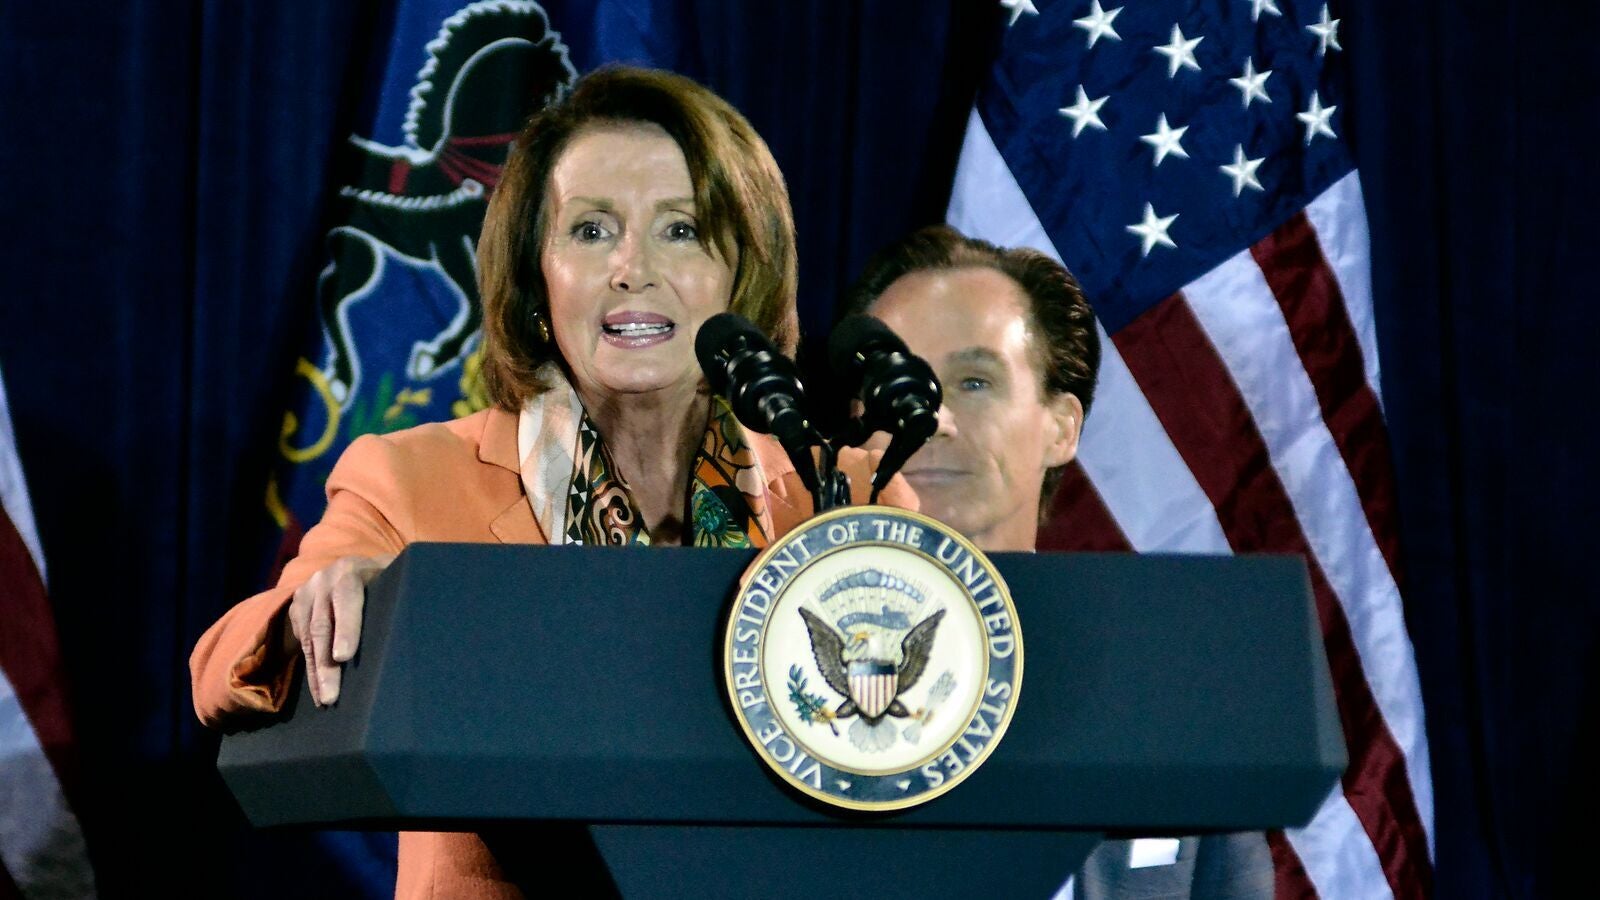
761, 385
898, 390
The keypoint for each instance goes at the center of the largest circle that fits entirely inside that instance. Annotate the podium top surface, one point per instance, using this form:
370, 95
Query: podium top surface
1165, 693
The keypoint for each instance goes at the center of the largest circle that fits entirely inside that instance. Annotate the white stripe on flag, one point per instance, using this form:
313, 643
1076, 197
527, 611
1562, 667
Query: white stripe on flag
14, 490
1138, 473
1339, 217
986, 200
1337, 854
41, 844
1238, 311
1125, 452
1136, 469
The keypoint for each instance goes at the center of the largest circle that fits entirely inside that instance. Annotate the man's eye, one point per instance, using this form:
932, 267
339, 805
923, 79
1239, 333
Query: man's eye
589, 232
682, 231
975, 384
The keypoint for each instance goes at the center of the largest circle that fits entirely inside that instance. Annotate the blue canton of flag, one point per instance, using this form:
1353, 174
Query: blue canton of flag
1187, 162
1177, 135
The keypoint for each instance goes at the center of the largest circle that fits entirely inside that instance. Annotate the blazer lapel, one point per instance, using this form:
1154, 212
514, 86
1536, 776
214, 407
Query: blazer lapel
517, 525
498, 447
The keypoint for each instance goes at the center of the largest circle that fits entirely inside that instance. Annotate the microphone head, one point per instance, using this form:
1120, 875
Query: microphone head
762, 386
902, 397
898, 389
853, 340
723, 335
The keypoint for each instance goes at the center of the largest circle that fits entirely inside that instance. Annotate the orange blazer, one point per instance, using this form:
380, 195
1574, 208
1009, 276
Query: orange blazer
452, 481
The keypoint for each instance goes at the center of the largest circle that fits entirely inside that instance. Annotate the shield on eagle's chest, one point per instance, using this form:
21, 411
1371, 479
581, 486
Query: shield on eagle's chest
873, 684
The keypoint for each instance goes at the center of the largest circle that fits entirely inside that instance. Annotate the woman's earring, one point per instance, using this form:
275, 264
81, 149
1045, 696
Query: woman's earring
541, 328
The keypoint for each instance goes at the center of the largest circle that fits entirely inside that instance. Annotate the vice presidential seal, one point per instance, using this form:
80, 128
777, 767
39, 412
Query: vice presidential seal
873, 658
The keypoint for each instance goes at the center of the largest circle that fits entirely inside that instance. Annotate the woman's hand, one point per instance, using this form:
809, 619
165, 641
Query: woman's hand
325, 620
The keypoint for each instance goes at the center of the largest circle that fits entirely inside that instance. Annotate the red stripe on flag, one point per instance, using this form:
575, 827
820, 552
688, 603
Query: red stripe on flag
1290, 880
1191, 392
31, 656
1313, 305
1079, 519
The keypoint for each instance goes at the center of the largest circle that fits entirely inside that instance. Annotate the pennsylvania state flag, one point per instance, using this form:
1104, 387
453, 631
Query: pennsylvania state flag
395, 340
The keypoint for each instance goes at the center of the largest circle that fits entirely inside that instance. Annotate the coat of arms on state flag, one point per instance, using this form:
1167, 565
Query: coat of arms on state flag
398, 313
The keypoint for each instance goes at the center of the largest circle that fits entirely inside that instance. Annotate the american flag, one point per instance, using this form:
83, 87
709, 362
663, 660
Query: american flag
42, 853
1187, 162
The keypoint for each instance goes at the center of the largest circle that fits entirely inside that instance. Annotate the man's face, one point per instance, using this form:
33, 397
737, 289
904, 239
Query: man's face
981, 472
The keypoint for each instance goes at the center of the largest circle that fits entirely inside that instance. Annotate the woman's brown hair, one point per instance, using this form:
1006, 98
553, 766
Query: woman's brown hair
740, 200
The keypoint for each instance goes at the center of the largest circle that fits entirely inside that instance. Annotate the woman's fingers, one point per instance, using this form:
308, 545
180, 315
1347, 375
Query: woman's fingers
325, 673
349, 599
325, 618
300, 625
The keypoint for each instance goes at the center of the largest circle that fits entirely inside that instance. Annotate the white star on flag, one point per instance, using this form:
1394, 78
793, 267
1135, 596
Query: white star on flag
1018, 7
1153, 230
1316, 118
1180, 52
1258, 6
1098, 23
1327, 31
1252, 84
1243, 171
1085, 112
1165, 140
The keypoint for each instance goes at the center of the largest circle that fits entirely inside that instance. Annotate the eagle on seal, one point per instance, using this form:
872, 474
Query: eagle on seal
870, 672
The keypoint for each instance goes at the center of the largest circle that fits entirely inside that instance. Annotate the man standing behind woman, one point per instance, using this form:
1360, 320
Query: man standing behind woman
1014, 344
629, 213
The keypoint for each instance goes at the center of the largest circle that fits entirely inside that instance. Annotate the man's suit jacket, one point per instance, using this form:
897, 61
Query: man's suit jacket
453, 481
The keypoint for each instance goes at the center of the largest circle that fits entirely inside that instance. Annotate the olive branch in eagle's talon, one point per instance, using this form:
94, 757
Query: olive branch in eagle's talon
810, 707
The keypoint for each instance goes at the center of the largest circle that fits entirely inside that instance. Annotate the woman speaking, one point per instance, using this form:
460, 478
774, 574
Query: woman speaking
629, 213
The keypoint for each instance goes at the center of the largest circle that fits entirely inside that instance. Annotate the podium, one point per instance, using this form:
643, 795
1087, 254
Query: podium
1163, 695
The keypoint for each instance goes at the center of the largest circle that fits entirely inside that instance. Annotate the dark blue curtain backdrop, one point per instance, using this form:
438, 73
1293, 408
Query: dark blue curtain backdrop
1477, 123
166, 165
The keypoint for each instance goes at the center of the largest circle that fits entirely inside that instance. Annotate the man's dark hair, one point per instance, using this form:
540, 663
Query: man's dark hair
1067, 342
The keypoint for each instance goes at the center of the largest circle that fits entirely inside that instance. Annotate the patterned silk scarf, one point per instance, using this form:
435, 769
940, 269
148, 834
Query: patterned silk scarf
578, 498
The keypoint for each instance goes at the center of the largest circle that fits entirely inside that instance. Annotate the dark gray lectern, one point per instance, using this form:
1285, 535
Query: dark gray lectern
1160, 694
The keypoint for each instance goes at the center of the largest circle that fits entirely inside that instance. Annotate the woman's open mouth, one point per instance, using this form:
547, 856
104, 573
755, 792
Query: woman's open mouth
632, 330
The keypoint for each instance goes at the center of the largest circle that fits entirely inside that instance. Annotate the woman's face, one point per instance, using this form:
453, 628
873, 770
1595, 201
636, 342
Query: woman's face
628, 281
